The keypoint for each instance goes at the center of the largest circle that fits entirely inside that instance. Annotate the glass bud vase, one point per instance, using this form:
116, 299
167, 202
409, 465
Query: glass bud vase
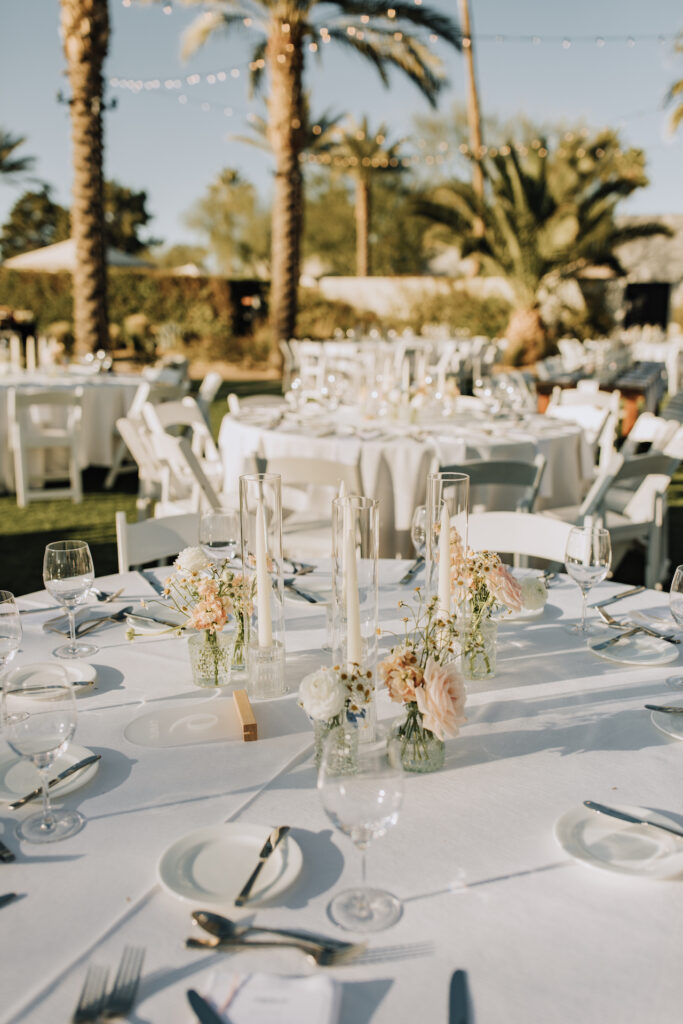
321, 730
479, 649
211, 657
421, 751
239, 654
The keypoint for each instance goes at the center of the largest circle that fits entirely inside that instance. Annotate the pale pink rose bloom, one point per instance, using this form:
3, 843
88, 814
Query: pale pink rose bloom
441, 700
505, 588
401, 675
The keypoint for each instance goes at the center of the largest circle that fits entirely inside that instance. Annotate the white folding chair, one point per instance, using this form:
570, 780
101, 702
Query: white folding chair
649, 429
574, 404
526, 534
45, 421
154, 539
179, 418
208, 389
522, 478
184, 474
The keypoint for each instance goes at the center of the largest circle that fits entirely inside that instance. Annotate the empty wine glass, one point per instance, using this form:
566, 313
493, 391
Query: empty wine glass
68, 574
219, 534
587, 559
676, 609
10, 629
418, 530
361, 789
39, 721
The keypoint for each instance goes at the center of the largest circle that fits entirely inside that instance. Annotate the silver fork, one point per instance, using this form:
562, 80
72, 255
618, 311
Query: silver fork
92, 997
615, 624
323, 954
122, 996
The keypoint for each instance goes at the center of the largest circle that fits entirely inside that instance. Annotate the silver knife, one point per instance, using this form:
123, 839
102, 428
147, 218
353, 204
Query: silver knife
138, 619
624, 816
6, 855
617, 597
157, 587
203, 1009
615, 639
275, 837
458, 1003
7, 898
306, 594
668, 709
71, 770
413, 571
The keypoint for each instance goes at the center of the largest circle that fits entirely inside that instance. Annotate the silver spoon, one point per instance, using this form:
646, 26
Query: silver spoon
223, 928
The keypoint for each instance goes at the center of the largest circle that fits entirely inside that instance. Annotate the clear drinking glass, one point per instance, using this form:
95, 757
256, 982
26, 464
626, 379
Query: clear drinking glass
39, 721
219, 534
587, 560
676, 609
68, 574
361, 789
418, 530
10, 629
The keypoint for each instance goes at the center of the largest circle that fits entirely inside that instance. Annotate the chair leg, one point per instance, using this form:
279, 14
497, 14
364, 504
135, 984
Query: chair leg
119, 456
75, 477
20, 476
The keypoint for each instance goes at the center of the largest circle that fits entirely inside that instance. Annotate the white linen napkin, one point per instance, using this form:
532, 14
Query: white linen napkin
274, 999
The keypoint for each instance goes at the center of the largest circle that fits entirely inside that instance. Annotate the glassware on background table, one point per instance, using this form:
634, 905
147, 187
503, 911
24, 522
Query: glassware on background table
10, 629
219, 534
361, 790
39, 721
676, 609
418, 530
68, 574
588, 557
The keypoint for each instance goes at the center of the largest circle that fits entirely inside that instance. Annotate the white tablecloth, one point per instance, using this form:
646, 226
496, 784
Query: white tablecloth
485, 886
394, 466
105, 399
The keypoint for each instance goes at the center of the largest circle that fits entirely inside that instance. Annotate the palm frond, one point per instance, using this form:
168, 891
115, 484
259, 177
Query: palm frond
428, 18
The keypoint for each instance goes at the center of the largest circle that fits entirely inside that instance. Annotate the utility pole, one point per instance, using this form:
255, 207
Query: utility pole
473, 113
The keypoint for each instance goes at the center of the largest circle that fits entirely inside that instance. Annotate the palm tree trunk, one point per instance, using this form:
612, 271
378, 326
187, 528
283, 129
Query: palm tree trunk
85, 32
285, 60
363, 215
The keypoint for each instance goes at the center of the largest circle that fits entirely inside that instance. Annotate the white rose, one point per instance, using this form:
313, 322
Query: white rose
534, 593
322, 695
191, 560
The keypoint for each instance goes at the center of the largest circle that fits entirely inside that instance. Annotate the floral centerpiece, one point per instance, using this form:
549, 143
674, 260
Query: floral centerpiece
422, 675
492, 587
331, 695
208, 594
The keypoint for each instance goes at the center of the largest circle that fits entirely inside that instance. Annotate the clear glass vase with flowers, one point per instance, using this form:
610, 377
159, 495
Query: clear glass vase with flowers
421, 673
334, 696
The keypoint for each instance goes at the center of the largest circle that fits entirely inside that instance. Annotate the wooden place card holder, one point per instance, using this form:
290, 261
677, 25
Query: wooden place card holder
245, 715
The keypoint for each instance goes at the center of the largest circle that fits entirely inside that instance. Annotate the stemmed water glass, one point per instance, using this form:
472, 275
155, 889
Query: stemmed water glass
361, 789
418, 530
39, 721
10, 629
587, 559
219, 534
676, 609
68, 574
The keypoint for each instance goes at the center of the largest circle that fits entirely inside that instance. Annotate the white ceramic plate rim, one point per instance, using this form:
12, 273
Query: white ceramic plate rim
619, 652
155, 607
287, 855
667, 724
77, 672
71, 755
668, 866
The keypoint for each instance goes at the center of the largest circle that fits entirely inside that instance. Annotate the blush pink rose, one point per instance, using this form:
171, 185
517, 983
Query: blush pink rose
441, 700
505, 588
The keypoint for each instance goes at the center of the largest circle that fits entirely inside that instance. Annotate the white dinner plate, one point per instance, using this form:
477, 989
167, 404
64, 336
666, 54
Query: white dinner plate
18, 776
79, 673
639, 649
672, 725
209, 867
613, 845
154, 608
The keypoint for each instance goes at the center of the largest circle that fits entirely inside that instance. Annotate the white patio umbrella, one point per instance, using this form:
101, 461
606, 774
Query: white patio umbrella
62, 256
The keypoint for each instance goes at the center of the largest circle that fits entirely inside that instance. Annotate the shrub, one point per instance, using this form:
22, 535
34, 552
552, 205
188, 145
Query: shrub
318, 317
460, 311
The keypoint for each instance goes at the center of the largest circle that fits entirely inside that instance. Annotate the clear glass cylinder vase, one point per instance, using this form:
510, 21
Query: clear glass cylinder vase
480, 649
447, 503
355, 548
421, 751
211, 657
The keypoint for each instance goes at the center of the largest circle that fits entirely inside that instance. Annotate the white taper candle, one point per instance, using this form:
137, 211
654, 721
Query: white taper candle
444, 562
354, 647
263, 584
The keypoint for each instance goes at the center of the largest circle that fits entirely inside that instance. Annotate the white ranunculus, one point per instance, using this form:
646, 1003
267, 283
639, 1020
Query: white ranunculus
534, 593
322, 695
192, 560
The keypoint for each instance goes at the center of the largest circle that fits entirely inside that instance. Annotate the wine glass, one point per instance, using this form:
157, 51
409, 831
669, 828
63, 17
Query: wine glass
418, 530
587, 559
219, 533
361, 789
39, 720
68, 574
10, 629
676, 609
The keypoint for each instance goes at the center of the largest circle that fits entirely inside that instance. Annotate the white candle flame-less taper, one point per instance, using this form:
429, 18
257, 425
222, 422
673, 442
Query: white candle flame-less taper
353, 637
445, 562
263, 584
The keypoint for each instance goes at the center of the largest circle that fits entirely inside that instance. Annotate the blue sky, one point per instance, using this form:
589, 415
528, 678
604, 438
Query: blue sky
173, 149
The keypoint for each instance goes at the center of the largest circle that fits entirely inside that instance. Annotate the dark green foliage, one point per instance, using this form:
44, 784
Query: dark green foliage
34, 221
462, 312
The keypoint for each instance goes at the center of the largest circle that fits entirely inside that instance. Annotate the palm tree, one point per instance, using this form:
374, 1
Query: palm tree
85, 37
9, 163
676, 94
365, 154
542, 214
388, 37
